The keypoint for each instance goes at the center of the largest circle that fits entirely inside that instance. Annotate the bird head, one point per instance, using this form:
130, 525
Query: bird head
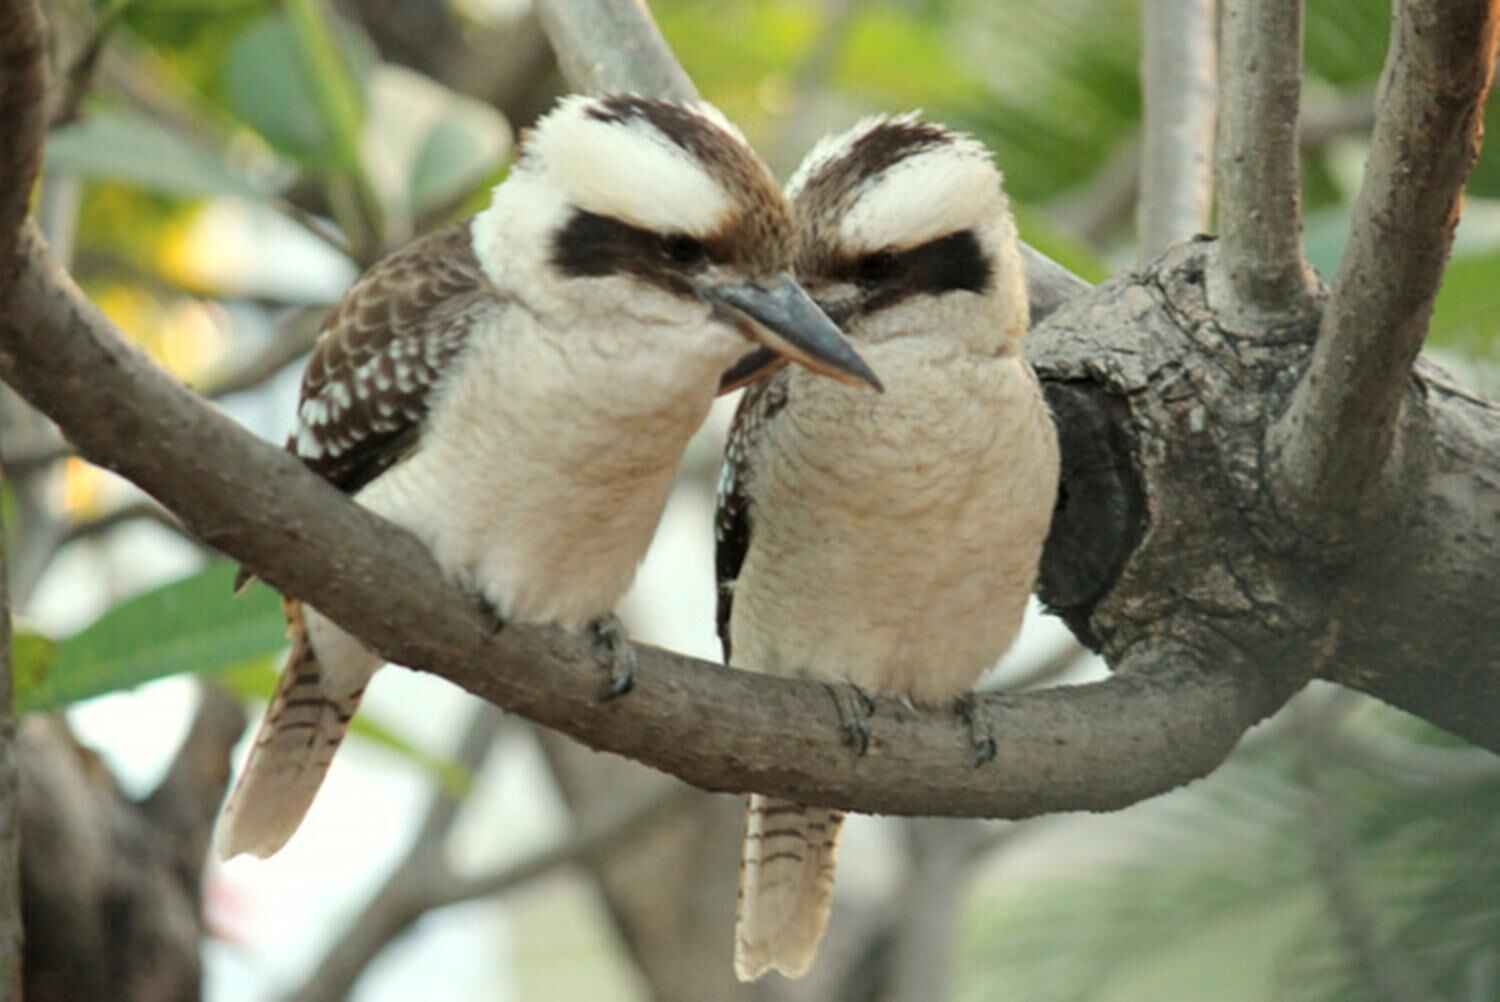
624, 205
904, 230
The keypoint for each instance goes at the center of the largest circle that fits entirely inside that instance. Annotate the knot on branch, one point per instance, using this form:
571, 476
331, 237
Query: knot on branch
1166, 517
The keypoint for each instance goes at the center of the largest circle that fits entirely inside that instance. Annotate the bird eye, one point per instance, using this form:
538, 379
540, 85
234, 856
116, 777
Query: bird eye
682, 249
874, 268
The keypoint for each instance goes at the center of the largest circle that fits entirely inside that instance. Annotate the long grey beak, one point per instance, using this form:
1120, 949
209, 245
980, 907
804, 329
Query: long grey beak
787, 321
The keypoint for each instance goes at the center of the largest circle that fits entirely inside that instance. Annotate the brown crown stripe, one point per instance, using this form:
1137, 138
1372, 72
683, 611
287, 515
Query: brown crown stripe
758, 235
836, 185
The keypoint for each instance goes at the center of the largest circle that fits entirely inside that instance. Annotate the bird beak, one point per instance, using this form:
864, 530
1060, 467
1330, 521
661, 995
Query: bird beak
786, 320
751, 368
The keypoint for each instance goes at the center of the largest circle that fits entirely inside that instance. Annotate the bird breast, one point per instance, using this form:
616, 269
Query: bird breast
896, 538
546, 464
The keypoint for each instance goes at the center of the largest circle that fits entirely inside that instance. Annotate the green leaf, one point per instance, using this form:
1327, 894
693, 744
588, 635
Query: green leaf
268, 86
121, 145
31, 657
458, 152
195, 624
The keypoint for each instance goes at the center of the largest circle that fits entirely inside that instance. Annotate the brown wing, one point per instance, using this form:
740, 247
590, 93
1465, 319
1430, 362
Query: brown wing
760, 405
383, 352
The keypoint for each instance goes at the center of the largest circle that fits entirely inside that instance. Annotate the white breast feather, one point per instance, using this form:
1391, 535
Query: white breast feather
915, 518
543, 492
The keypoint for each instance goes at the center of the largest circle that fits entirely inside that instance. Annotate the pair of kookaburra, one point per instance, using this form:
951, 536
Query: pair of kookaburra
517, 392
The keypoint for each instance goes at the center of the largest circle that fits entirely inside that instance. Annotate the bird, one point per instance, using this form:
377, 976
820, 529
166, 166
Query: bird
517, 391
887, 541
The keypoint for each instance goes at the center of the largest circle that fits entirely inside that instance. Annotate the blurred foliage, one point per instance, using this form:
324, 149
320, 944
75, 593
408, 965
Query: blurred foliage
196, 624
1223, 891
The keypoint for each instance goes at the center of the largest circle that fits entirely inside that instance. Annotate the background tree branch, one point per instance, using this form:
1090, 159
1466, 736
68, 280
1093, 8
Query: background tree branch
12, 935
1179, 72
1256, 159
1337, 437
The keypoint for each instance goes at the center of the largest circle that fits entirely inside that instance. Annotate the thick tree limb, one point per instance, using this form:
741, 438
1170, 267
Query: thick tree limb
1179, 70
1256, 166
1337, 436
1169, 517
717, 729
23, 90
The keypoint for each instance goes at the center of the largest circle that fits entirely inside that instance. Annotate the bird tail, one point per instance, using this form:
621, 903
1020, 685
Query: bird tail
294, 746
786, 886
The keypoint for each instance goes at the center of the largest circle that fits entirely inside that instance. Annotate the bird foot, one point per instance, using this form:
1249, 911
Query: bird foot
970, 709
615, 653
490, 612
855, 707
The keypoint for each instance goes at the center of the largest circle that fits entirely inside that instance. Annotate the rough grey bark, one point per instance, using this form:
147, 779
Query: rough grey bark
1179, 75
1256, 164
1338, 446
1163, 407
22, 90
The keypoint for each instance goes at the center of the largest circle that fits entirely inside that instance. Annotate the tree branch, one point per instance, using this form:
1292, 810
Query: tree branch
12, 931
1256, 165
613, 45
1178, 70
1106, 204
23, 94
721, 730
412, 887
1337, 437
717, 729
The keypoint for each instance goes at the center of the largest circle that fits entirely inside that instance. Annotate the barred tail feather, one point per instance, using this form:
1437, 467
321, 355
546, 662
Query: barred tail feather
786, 886
293, 748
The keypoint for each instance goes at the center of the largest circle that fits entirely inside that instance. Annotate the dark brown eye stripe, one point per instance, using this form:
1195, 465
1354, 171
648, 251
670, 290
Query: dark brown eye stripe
756, 238
948, 264
591, 246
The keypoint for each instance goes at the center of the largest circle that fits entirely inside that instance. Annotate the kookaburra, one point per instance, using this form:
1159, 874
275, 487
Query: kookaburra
886, 541
517, 391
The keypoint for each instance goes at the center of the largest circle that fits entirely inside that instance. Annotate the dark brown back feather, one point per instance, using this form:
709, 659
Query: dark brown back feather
760, 406
381, 357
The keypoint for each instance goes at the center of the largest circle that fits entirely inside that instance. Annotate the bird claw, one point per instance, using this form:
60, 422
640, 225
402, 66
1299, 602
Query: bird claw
970, 710
491, 614
854, 707
615, 653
